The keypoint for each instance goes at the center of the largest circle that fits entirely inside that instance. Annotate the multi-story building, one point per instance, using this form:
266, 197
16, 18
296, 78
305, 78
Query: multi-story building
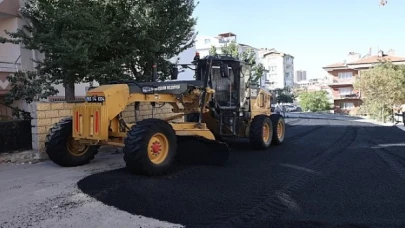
280, 67
204, 44
342, 77
300, 75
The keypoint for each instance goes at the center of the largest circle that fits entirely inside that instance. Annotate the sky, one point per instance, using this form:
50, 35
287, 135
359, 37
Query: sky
316, 33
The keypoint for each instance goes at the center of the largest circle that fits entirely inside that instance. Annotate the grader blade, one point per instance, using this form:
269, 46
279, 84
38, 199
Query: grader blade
194, 150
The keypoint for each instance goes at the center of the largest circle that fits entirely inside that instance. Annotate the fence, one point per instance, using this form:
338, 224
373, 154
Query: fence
15, 133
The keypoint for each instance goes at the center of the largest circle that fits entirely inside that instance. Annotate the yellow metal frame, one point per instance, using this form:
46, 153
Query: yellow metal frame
90, 119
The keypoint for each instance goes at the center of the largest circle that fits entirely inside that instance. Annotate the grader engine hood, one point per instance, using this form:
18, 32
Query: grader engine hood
102, 104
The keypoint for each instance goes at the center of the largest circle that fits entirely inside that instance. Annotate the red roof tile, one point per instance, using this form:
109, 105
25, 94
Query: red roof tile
334, 65
376, 59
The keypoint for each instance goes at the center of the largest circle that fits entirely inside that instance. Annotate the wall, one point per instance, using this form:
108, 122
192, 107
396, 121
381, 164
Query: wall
353, 111
277, 76
335, 75
9, 52
336, 91
288, 70
46, 114
9, 7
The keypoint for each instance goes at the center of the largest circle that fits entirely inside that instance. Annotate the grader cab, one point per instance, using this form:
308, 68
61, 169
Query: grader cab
218, 104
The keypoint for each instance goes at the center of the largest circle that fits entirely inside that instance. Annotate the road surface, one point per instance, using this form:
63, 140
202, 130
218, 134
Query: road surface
327, 173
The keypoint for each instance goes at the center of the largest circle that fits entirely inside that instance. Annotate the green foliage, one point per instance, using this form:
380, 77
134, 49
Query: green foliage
284, 95
285, 98
249, 56
213, 50
29, 85
104, 40
381, 88
315, 101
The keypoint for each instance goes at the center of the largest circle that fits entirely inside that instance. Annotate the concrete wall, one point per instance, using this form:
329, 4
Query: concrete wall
46, 114
9, 7
9, 52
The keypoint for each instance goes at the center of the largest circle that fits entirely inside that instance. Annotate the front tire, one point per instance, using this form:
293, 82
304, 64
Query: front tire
150, 147
261, 132
278, 129
63, 150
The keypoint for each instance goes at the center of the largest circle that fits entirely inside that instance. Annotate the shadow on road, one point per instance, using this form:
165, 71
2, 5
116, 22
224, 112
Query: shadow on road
309, 181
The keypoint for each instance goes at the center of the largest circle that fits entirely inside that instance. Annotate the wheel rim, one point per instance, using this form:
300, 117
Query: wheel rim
280, 129
266, 132
75, 148
158, 148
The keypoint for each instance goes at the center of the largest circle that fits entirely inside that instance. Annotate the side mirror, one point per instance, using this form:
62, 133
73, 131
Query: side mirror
174, 73
224, 71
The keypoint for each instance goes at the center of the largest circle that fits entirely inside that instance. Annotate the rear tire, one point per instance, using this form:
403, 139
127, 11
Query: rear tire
63, 150
261, 132
150, 147
278, 129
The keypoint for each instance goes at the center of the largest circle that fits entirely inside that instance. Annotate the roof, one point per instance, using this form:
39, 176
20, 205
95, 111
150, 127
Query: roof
333, 65
376, 59
227, 34
276, 52
368, 60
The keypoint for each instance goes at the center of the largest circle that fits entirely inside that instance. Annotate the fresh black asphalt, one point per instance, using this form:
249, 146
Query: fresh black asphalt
328, 173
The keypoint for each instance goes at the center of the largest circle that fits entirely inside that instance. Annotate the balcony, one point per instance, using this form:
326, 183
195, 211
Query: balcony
341, 82
9, 67
9, 8
347, 96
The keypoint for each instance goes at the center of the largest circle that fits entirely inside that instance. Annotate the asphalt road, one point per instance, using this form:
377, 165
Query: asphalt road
327, 173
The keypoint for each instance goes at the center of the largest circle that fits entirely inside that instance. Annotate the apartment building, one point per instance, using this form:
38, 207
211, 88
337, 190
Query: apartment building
203, 45
280, 67
300, 75
342, 77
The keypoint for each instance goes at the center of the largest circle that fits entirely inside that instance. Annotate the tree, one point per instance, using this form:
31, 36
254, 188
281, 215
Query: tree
314, 101
213, 50
28, 86
249, 56
103, 40
381, 88
284, 95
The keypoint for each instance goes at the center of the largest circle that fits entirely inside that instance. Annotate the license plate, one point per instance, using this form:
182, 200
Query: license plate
95, 98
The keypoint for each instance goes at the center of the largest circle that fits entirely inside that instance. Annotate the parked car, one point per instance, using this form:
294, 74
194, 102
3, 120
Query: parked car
291, 108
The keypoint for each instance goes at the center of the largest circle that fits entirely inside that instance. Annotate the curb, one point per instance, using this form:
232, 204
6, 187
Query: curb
402, 127
336, 117
28, 156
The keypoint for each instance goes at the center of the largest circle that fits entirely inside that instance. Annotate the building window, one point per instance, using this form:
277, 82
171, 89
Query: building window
345, 91
346, 105
272, 68
345, 75
207, 41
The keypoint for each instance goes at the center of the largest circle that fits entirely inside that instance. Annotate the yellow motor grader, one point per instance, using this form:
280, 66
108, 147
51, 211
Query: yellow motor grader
218, 104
